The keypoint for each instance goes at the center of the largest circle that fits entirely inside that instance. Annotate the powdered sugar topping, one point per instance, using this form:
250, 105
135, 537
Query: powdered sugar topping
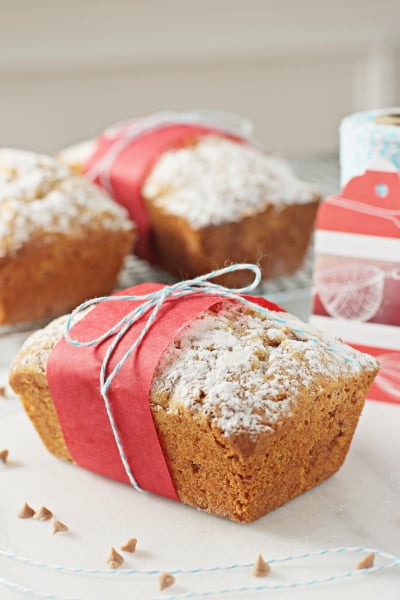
245, 370
218, 180
36, 349
39, 195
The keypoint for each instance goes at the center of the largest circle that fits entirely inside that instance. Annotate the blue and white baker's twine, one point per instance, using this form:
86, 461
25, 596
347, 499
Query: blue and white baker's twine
152, 304
394, 561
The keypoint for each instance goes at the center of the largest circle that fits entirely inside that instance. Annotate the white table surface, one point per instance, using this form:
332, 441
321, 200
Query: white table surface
359, 506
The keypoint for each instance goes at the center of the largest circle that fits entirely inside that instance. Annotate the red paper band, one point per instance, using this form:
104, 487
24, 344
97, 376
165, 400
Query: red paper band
73, 377
133, 163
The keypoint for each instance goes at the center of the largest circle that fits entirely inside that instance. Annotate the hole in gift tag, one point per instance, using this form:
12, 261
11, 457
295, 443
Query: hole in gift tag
381, 190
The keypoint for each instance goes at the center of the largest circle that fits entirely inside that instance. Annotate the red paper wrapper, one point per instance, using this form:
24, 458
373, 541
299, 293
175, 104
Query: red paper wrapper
121, 165
73, 377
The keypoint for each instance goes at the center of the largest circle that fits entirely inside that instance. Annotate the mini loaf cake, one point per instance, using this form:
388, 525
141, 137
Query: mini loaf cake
251, 408
212, 201
62, 240
76, 156
218, 201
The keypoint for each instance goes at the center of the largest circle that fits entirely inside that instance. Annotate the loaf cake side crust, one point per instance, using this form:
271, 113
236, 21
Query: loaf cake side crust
50, 277
275, 239
211, 472
28, 379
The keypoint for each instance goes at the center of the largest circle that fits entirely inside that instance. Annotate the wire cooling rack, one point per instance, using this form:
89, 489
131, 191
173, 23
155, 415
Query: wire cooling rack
322, 171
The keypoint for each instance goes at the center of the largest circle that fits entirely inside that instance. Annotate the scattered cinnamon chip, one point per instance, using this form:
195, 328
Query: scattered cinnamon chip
3, 392
367, 562
4, 456
58, 527
165, 580
115, 560
26, 512
261, 568
43, 514
129, 546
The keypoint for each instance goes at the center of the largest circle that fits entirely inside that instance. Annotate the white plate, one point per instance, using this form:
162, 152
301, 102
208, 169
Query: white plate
357, 507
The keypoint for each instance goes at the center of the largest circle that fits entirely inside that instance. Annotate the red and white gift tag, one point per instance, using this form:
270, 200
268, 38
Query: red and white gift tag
356, 291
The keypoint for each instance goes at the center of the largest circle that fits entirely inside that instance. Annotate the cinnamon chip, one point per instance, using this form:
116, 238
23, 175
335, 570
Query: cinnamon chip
43, 514
129, 546
26, 512
261, 568
115, 560
4, 456
367, 562
3, 392
165, 580
58, 527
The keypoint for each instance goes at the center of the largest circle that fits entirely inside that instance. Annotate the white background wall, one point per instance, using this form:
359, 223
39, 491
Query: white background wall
295, 67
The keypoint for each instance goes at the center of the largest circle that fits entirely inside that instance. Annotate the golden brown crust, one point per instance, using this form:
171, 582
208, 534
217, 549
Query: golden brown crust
276, 239
28, 379
39, 407
226, 479
51, 276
